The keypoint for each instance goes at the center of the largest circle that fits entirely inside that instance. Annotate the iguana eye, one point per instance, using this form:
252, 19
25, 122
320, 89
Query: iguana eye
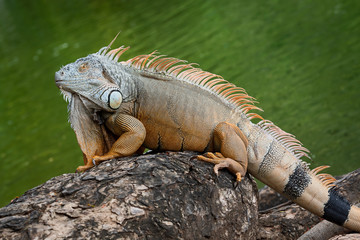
83, 67
115, 99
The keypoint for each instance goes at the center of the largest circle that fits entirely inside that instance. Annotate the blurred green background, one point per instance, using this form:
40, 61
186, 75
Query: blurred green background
300, 59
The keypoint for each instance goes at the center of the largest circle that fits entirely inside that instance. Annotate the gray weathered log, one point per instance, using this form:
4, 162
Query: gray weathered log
157, 196
161, 196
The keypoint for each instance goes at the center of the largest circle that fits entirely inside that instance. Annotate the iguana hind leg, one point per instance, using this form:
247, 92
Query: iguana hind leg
231, 144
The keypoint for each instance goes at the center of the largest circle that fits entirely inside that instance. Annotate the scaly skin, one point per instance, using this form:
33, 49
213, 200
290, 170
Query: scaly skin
119, 108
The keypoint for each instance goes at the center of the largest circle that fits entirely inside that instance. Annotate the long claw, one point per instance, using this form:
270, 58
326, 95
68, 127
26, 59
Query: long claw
94, 162
84, 168
216, 170
209, 155
238, 180
219, 155
238, 177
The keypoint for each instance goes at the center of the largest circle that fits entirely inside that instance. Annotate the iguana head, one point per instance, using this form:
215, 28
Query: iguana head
96, 83
87, 77
88, 88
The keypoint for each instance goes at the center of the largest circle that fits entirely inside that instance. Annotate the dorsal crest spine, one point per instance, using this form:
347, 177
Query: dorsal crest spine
156, 64
183, 71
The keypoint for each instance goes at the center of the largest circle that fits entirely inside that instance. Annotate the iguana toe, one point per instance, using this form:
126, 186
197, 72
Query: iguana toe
98, 159
222, 162
84, 168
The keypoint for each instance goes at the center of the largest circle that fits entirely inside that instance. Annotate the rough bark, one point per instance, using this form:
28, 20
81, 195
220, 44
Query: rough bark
161, 196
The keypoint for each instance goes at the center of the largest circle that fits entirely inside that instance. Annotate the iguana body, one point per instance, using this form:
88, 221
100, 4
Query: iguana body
164, 104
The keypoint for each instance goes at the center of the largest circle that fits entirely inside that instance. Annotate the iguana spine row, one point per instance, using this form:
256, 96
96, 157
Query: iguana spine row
230, 93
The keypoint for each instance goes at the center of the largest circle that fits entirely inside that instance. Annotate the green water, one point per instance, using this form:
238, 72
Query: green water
300, 59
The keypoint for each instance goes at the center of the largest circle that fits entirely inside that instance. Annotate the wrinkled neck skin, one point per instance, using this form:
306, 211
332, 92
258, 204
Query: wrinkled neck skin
128, 84
121, 75
88, 132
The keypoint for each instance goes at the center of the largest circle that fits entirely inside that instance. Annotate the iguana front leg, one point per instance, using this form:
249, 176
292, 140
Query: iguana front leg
132, 135
232, 145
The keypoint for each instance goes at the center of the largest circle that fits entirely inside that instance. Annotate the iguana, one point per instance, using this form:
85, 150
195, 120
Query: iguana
118, 108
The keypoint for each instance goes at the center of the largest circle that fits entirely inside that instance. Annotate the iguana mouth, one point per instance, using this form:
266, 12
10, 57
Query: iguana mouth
58, 82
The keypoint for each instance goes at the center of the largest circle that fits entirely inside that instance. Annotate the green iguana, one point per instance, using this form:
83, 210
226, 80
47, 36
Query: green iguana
151, 101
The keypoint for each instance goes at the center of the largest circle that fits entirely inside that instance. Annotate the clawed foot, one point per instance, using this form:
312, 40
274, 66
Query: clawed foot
222, 162
95, 161
98, 159
84, 168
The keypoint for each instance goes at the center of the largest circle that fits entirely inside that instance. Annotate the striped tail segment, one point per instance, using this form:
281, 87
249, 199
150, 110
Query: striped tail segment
318, 194
275, 160
337, 208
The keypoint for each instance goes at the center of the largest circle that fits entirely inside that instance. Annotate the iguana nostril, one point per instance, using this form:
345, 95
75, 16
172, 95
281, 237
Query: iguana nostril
57, 76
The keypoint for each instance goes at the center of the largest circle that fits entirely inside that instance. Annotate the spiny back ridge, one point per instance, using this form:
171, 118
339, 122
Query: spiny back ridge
286, 139
183, 71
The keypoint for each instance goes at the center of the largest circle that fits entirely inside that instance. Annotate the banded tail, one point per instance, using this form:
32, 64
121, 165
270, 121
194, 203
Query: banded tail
273, 160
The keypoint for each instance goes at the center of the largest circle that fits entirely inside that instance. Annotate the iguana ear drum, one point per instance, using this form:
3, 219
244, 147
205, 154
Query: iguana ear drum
115, 99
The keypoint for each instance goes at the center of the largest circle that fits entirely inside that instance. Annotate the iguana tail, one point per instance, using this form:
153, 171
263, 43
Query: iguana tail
274, 158
353, 220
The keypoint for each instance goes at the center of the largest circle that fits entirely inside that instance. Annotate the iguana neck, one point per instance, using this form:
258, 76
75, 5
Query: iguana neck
123, 76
